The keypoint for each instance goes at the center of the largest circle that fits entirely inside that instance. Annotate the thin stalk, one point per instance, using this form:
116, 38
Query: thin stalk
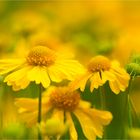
39, 110
137, 123
102, 98
39, 103
129, 104
127, 115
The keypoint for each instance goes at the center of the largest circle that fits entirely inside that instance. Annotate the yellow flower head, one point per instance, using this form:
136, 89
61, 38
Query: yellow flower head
41, 65
62, 101
100, 70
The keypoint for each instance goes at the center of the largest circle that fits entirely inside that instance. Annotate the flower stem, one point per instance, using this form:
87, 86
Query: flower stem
102, 98
129, 104
39, 110
129, 113
127, 110
39, 103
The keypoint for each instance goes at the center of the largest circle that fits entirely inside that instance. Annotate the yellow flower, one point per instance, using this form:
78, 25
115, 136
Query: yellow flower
100, 70
60, 101
41, 65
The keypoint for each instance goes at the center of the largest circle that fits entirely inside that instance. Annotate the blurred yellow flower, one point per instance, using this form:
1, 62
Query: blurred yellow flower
100, 70
41, 65
60, 101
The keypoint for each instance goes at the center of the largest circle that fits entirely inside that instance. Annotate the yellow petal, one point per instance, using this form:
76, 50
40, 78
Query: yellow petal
108, 75
99, 118
8, 65
45, 80
114, 87
15, 87
57, 113
84, 104
96, 81
18, 79
80, 82
29, 104
86, 124
46, 93
30, 118
72, 130
72, 68
56, 74
28, 109
123, 82
115, 66
39, 75
104, 117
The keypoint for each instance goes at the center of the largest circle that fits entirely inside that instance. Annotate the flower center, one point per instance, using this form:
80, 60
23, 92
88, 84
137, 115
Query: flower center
41, 56
63, 99
99, 63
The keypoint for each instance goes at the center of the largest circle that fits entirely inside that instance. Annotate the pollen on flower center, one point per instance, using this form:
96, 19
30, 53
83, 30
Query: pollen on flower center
41, 55
99, 63
63, 99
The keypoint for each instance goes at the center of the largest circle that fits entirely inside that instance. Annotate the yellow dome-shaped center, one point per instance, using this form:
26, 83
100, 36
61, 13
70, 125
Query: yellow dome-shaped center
41, 56
99, 63
63, 99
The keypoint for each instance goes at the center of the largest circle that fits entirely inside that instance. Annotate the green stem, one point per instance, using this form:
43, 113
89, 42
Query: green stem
129, 104
39, 110
39, 104
129, 113
102, 98
133, 109
127, 110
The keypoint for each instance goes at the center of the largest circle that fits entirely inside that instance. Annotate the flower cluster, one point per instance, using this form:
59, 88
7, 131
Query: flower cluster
46, 66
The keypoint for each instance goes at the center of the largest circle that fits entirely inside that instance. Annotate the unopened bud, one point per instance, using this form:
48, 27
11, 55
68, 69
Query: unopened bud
133, 69
55, 127
135, 59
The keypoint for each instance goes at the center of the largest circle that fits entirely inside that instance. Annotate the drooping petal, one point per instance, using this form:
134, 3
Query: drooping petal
99, 119
86, 124
72, 130
123, 82
96, 81
108, 76
115, 66
114, 87
120, 83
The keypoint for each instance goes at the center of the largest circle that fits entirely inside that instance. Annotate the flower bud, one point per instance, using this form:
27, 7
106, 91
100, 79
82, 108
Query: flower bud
135, 59
55, 127
133, 69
